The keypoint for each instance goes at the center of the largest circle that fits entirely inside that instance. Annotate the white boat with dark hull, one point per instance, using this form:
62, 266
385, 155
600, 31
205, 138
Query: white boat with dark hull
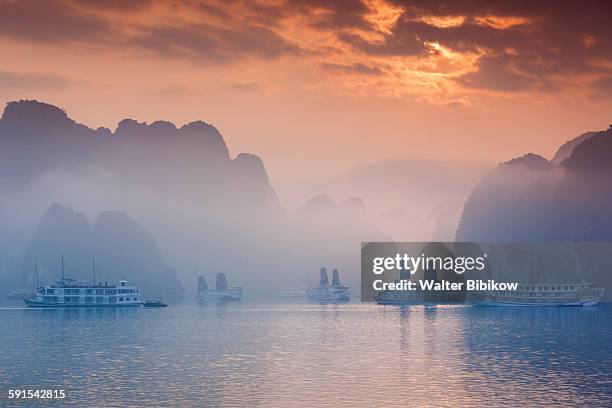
326, 293
543, 294
75, 293
221, 293
68, 292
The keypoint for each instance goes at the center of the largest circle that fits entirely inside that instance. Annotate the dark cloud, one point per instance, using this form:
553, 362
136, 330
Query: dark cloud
24, 81
356, 68
212, 43
564, 37
117, 5
497, 73
557, 38
602, 88
48, 21
339, 14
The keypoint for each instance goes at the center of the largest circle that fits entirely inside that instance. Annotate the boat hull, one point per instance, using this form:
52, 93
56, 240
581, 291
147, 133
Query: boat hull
41, 305
586, 303
221, 296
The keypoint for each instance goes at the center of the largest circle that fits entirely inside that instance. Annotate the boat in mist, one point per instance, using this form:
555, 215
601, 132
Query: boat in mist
293, 293
324, 293
549, 294
154, 303
222, 291
543, 294
67, 292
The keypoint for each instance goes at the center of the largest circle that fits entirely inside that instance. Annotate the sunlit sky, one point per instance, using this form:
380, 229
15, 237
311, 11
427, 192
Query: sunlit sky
317, 87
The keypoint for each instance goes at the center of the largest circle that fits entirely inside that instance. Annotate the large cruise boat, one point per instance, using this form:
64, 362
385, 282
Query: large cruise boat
221, 293
543, 294
326, 293
77, 293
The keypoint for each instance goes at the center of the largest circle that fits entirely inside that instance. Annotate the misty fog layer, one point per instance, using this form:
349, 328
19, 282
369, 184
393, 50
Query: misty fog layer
161, 205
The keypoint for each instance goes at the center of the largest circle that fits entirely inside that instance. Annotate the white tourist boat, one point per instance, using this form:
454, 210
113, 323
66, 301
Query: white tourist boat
221, 293
77, 293
68, 292
326, 293
543, 294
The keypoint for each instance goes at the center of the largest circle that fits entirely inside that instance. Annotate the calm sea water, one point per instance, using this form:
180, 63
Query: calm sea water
301, 355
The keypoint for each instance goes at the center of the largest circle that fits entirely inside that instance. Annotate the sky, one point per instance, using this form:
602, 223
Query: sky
317, 88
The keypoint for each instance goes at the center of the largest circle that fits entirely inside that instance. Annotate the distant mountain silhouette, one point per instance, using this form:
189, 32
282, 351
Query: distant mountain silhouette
402, 194
531, 199
331, 233
122, 249
326, 214
593, 155
181, 181
567, 148
510, 203
36, 137
62, 230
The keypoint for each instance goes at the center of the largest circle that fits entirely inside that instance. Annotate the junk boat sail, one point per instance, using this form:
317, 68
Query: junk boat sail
326, 292
68, 292
221, 292
543, 294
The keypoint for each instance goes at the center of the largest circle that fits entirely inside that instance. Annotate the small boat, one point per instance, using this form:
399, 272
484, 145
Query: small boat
154, 303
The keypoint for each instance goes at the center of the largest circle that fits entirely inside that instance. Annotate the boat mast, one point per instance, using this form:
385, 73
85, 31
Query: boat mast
531, 264
93, 268
62, 266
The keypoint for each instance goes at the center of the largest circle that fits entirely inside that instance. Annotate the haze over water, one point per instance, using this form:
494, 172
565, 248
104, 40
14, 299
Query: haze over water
256, 354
